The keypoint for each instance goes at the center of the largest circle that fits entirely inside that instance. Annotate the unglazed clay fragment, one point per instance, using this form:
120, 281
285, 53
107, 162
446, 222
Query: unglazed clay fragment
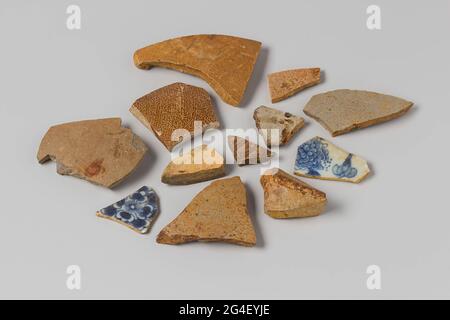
100, 151
320, 159
246, 152
176, 106
137, 211
277, 124
341, 111
201, 164
225, 62
284, 84
287, 197
217, 213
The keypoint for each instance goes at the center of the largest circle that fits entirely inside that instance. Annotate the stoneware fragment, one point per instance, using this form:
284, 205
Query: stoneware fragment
137, 211
284, 84
320, 159
277, 124
246, 152
225, 62
100, 151
217, 213
176, 106
287, 197
201, 164
341, 111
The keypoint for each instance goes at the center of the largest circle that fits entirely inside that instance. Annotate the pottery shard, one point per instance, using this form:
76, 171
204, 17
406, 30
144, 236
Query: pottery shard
225, 62
341, 111
217, 213
276, 127
284, 84
100, 151
287, 197
246, 152
201, 164
174, 107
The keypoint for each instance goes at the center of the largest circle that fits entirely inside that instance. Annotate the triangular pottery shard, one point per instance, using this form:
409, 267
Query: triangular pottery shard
284, 84
217, 213
174, 110
246, 152
225, 62
137, 211
287, 197
100, 151
341, 111
200, 164
276, 127
320, 159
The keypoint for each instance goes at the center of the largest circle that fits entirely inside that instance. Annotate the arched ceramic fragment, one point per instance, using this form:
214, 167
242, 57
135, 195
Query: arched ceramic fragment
225, 62
284, 84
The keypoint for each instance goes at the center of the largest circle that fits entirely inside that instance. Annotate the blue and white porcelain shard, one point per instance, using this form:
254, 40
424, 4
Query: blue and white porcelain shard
320, 159
137, 211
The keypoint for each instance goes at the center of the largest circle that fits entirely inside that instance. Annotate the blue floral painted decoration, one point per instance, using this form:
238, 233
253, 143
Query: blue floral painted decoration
345, 170
136, 211
313, 156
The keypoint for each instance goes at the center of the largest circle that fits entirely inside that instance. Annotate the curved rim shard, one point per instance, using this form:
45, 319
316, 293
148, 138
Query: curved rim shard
225, 62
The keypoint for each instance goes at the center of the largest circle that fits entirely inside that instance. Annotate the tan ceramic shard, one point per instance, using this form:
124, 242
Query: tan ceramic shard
201, 164
217, 213
100, 151
341, 111
276, 127
176, 106
246, 152
287, 197
225, 62
284, 84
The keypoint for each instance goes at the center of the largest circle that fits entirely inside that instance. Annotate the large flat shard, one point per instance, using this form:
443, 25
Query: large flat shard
225, 62
342, 111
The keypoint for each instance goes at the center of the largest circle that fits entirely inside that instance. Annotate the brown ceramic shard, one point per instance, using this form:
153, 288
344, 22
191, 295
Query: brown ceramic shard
176, 106
276, 127
100, 151
246, 152
342, 111
225, 62
201, 164
217, 213
284, 84
287, 197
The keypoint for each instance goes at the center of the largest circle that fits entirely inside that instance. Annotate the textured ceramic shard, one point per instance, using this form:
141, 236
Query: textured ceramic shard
276, 127
137, 211
201, 164
225, 62
284, 84
287, 197
100, 151
319, 158
217, 213
246, 152
341, 111
176, 106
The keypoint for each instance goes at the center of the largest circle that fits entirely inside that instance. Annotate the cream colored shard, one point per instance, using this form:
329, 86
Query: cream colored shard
246, 152
225, 62
100, 151
284, 84
276, 127
218, 213
287, 197
342, 111
171, 110
201, 164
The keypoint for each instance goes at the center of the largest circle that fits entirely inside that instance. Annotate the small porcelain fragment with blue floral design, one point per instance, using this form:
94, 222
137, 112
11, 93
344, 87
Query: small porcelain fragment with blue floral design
320, 159
137, 211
